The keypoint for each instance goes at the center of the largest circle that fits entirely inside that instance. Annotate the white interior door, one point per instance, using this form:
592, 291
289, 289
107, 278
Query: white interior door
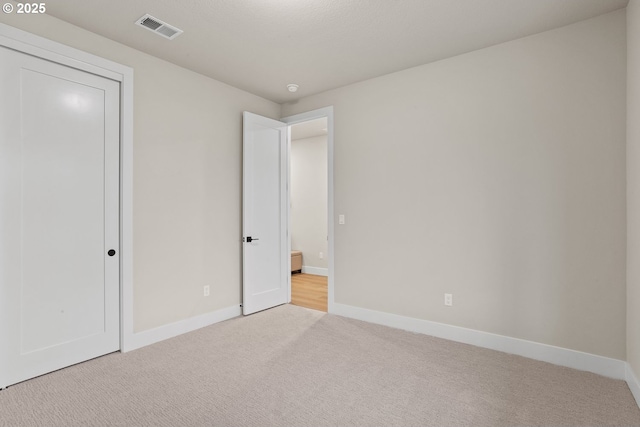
59, 216
265, 281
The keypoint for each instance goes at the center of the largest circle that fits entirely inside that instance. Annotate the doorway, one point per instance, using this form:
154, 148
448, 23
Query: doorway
316, 275
308, 197
266, 278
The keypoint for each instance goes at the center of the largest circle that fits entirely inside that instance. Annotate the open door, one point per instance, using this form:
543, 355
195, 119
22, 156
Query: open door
265, 281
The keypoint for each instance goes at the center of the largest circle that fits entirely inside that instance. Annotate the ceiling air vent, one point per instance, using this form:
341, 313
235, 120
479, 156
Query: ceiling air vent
159, 27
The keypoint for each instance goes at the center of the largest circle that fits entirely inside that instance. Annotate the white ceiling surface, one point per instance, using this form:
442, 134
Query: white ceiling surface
262, 45
309, 129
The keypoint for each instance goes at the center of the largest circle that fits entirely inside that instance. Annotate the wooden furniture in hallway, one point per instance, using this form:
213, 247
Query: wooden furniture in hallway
309, 290
296, 261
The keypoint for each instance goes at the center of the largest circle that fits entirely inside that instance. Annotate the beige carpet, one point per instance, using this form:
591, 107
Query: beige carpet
290, 366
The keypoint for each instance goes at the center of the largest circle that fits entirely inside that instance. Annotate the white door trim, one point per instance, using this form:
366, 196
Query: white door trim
303, 117
31, 44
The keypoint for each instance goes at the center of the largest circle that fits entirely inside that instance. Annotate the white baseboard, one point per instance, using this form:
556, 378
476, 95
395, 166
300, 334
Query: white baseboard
315, 270
601, 365
632, 382
161, 333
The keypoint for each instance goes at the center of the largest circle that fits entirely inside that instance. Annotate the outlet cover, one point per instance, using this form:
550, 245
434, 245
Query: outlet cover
448, 299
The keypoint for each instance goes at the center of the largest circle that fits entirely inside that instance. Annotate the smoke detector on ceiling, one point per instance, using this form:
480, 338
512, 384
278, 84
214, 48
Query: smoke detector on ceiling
292, 87
159, 27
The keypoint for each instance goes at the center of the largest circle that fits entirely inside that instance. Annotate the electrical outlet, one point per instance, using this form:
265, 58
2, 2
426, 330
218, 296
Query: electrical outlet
448, 299
321, 255
206, 291
341, 219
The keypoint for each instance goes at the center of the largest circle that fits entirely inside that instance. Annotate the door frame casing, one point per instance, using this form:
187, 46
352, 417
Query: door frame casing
31, 44
325, 112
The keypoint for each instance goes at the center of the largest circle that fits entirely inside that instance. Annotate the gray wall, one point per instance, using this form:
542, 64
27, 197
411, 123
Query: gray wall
309, 200
187, 178
498, 176
633, 185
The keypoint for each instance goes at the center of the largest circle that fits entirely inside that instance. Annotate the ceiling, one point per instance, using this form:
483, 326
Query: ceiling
262, 45
309, 129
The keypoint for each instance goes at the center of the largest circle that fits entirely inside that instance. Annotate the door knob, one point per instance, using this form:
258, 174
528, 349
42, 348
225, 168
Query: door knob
111, 252
251, 239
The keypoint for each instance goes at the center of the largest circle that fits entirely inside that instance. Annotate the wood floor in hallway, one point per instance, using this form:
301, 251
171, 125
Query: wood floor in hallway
309, 290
